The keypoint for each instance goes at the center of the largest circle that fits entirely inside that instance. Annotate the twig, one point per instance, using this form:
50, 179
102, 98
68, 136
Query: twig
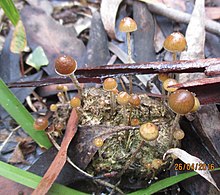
68, 159
178, 16
9, 136
83, 172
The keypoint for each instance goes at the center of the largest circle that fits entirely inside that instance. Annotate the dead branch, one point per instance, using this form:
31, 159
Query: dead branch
178, 16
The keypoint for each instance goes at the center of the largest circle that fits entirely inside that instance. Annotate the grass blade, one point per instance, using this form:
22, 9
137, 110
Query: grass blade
31, 180
14, 107
163, 184
10, 11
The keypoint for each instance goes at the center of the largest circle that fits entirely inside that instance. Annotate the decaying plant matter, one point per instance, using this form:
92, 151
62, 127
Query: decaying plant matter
121, 144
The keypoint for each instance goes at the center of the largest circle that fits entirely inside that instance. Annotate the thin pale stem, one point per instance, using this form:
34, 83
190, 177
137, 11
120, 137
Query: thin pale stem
112, 99
174, 56
175, 123
129, 59
76, 83
123, 85
124, 115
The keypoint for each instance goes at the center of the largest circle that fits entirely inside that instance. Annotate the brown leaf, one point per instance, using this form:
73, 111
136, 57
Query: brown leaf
84, 148
193, 161
206, 89
108, 12
17, 156
60, 159
11, 187
54, 38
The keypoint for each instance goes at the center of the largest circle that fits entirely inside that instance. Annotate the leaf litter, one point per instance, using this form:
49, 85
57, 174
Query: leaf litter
112, 30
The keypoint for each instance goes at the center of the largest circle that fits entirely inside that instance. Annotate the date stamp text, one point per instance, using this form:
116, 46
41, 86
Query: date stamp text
193, 166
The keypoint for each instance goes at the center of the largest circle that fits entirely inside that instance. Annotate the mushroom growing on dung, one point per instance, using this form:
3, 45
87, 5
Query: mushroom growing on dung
128, 25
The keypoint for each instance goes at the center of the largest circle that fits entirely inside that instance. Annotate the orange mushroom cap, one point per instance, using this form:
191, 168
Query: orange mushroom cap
127, 24
175, 42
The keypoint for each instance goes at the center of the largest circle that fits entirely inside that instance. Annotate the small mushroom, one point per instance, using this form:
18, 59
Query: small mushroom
111, 85
75, 102
41, 123
149, 131
168, 82
181, 101
123, 99
66, 66
178, 134
174, 43
134, 101
128, 25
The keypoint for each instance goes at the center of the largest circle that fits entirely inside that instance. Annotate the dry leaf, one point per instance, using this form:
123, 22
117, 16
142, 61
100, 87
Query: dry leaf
195, 39
60, 159
193, 161
108, 12
17, 156
18, 42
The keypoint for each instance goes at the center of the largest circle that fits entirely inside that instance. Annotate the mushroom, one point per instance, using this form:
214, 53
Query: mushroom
178, 134
66, 66
128, 25
41, 123
111, 85
181, 101
169, 82
174, 43
134, 101
75, 102
149, 131
122, 99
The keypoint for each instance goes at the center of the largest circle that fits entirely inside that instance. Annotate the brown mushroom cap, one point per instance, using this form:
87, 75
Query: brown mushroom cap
175, 42
181, 101
65, 65
127, 24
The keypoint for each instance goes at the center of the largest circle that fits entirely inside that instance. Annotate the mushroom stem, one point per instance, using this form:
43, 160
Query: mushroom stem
129, 120
129, 59
125, 115
173, 75
129, 47
76, 83
175, 122
112, 99
174, 56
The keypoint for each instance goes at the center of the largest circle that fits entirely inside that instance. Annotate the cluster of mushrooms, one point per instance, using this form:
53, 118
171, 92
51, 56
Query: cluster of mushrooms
179, 101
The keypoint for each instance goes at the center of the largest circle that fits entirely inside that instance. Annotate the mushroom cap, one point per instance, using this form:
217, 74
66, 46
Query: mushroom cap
123, 98
110, 84
127, 24
65, 65
181, 101
178, 134
149, 131
175, 42
196, 105
168, 82
134, 100
75, 102
41, 123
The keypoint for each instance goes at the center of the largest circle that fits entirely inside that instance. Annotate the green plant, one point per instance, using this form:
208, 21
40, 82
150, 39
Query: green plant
17, 111
10, 11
